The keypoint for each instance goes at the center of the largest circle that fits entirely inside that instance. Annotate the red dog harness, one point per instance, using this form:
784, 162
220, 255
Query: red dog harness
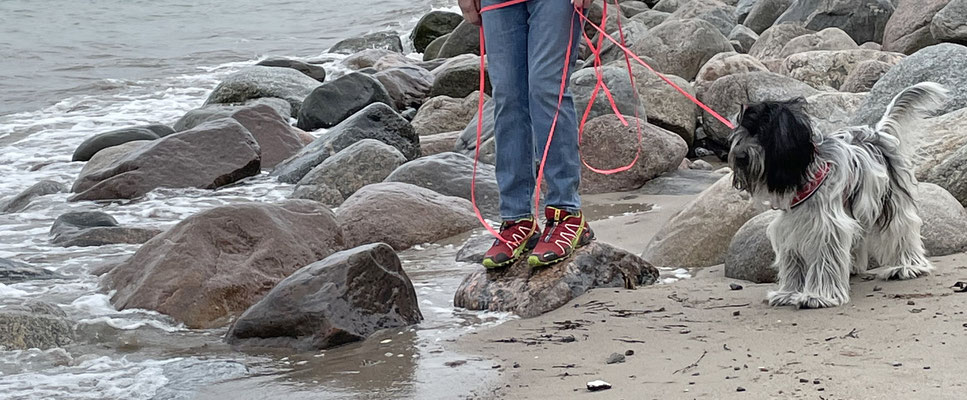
811, 187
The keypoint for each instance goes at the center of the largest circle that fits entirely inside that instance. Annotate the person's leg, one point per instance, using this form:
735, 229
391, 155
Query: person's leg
505, 31
551, 21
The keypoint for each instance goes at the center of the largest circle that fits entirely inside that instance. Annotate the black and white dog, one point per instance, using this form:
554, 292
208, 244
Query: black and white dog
845, 197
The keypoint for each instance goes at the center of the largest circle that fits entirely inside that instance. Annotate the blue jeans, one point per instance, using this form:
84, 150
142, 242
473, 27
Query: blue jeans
526, 45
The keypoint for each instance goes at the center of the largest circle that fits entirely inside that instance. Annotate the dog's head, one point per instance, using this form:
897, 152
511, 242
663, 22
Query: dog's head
772, 147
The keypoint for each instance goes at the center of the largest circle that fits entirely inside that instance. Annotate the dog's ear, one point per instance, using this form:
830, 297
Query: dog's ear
787, 146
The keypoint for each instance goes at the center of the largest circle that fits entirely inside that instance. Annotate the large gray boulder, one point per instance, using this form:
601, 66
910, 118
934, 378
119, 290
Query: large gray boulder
864, 20
342, 299
618, 81
402, 215
366, 161
259, 81
458, 77
531, 292
715, 12
211, 267
95, 228
385, 40
101, 141
433, 25
212, 112
826, 39
336, 100
651, 18
940, 63
408, 86
950, 23
377, 121
725, 64
681, 47
21, 201
608, 144
34, 325
908, 30
765, 13
207, 157
666, 107
831, 111
465, 39
829, 69
750, 256
446, 114
864, 76
450, 174
773, 40
944, 221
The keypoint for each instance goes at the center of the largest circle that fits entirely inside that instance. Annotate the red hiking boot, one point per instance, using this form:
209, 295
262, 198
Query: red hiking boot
564, 233
521, 235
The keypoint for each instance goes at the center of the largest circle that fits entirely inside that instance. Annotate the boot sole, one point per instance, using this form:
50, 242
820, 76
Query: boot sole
528, 247
535, 261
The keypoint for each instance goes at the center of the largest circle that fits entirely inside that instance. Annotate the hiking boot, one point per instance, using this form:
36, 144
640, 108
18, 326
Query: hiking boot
521, 235
564, 232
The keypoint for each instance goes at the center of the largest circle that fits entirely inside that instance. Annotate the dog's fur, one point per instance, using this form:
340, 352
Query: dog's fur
865, 207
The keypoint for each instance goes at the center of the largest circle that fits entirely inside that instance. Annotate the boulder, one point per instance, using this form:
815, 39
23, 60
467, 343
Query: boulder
596, 12
608, 144
336, 100
908, 29
95, 228
259, 82
342, 299
105, 159
433, 25
475, 248
950, 23
446, 114
632, 8
450, 174
386, 40
465, 39
467, 143
940, 63
12, 271
743, 8
376, 121
864, 75
669, 6
666, 107
21, 201
725, 64
432, 51
407, 86
214, 265
750, 256
366, 58
212, 112
34, 325
394, 60
715, 12
826, 39
458, 77
864, 20
530, 292
727, 94
681, 47
742, 39
831, 111
699, 235
774, 39
618, 81
944, 221
101, 141
438, 143
651, 18
364, 162
402, 215
313, 71
941, 152
276, 138
821, 69
207, 157
765, 13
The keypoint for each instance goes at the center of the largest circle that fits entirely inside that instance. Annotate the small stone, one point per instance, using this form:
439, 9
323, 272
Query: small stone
735, 286
632, 352
816, 382
926, 367
803, 380
911, 303
897, 364
516, 365
598, 385
736, 313
763, 369
740, 389
615, 358
685, 331
877, 288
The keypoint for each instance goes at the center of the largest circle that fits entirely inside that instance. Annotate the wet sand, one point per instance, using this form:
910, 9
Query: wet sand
699, 339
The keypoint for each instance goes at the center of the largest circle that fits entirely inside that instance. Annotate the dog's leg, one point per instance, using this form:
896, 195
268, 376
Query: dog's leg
791, 278
861, 257
828, 266
897, 245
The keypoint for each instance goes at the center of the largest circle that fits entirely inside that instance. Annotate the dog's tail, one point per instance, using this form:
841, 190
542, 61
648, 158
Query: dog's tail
907, 109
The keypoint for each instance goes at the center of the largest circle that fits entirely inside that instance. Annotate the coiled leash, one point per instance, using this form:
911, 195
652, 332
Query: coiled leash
600, 86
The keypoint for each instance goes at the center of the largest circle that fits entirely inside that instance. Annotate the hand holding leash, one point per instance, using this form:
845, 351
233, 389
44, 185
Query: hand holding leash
471, 11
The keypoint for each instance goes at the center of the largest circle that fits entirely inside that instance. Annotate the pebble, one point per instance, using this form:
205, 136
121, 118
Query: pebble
735, 286
737, 313
896, 364
629, 352
911, 303
803, 380
740, 389
615, 358
595, 386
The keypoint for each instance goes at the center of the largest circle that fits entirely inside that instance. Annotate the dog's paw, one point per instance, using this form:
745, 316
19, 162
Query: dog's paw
904, 272
810, 301
781, 298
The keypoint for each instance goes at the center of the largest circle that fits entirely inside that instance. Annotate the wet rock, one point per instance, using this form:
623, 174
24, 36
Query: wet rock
474, 249
715, 12
259, 82
408, 86
101, 141
864, 75
700, 234
34, 325
342, 299
105, 159
864, 20
95, 228
618, 81
432, 51
465, 39
376, 121
215, 264
386, 40
206, 157
666, 107
831, 68
467, 143
531, 292
950, 23
826, 39
651, 18
438, 143
366, 58
446, 114
726, 94
608, 144
313, 71
334, 101
402, 215
773, 40
394, 60
725, 64
908, 29
212, 112
750, 256
681, 47
21, 201
366, 161
277, 139
450, 174
459, 77
944, 228
12, 271
939, 63
433, 25
764, 13
742, 39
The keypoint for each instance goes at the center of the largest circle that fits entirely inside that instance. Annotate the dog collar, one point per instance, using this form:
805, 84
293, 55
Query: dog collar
811, 187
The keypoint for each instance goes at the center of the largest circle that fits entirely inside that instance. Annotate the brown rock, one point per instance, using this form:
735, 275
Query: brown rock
908, 29
608, 144
438, 143
446, 114
864, 75
276, 138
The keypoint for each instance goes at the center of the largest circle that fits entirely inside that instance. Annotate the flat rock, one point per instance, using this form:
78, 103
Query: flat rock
608, 144
386, 40
34, 325
313, 71
334, 101
101, 141
366, 161
531, 292
214, 265
21, 201
450, 174
750, 254
12, 271
259, 81
341, 299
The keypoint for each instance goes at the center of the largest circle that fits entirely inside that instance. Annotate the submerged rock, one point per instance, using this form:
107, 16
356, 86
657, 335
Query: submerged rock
313, 71
12, 271
95, 228
22, 200
215, 264
342, 299
531, 292
386, 40
34, 324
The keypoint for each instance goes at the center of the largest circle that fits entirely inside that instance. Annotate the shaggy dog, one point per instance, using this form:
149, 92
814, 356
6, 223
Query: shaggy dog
844, 197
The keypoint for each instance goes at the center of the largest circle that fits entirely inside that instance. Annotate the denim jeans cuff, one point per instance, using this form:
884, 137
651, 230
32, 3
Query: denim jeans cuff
517, 217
